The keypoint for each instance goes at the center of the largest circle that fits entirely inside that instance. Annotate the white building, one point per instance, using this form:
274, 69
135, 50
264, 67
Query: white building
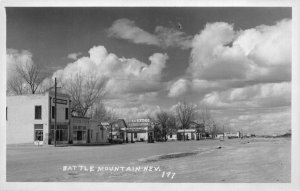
30, 118
140, 130
229, 135
172, 137
190, 134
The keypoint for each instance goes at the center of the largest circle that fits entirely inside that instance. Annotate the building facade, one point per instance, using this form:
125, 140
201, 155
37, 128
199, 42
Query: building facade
31, 118
79, 128
97, 133
140, 130
87, 131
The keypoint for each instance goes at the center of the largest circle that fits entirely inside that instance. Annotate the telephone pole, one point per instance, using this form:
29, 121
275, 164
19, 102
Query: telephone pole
223, 134
55, 109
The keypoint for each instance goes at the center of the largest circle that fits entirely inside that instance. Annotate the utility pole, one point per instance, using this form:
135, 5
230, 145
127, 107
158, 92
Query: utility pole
55, 116
223, 134
111, 135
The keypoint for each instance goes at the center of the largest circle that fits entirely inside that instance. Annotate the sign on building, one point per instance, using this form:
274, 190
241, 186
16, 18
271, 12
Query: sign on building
139, 125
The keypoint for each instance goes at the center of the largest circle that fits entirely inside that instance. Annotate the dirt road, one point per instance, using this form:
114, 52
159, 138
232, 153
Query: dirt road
232, 161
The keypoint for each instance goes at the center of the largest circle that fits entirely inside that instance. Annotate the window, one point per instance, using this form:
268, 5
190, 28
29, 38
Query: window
6, 113
53, 112
67, 113
135, 135
38, 112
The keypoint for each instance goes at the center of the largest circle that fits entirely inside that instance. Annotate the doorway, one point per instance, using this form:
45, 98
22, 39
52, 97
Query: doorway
38, 133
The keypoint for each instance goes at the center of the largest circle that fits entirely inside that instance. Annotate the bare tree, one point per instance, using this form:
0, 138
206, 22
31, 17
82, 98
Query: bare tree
208, 121
205, 116
84, 91
16, 86
162, 119
101, 113
26, 80
172, 123
185, 114
31, 74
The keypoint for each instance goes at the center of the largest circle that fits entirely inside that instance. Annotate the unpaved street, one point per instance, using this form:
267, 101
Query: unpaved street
205, 161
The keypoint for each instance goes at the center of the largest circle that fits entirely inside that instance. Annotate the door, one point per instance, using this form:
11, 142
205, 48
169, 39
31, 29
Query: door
38, 133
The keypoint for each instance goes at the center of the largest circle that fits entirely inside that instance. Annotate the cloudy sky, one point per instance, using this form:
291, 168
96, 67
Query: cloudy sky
235, 61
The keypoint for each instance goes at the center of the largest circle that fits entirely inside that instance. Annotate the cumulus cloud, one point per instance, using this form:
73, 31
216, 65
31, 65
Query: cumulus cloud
178, 88
124, 74
131, 107
170, 37
162, 36
268, 45
261, 95
262, 53
74, 56
126, 29
212, 58
224, 60
228, 69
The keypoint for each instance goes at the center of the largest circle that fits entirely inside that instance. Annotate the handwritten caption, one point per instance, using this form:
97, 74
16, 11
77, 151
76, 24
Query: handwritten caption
135, 169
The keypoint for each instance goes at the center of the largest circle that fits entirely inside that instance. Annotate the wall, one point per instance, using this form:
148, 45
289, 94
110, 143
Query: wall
61, 117
174, 137
81, 124
102, 133
20, 118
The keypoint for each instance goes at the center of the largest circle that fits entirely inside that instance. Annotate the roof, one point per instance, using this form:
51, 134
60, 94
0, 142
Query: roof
78, 117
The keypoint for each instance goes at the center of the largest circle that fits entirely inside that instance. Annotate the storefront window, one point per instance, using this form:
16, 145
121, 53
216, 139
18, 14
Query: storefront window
61, 132
79, 133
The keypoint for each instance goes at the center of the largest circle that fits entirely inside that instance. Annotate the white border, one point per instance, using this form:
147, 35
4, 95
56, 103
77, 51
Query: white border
295, 185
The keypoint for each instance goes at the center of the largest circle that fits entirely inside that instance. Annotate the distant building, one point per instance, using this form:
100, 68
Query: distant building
118, 130
229, 135
140, 130
85, 130
195, 131
30, 118
79, 128
186, 134
172, 135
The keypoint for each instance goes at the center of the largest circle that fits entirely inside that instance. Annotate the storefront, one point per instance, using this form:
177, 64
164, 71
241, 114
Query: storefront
140, 130
62, 133
117, 130
186, 134
79, 130
97, 133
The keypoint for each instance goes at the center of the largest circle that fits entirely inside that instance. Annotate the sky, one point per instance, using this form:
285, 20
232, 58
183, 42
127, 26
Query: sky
234, 61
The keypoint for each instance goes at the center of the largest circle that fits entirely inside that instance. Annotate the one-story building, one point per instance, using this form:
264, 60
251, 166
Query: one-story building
229, 135
85, 131
196, 131
140, 130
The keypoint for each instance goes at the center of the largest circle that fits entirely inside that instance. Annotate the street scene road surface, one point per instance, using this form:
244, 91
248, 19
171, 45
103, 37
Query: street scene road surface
251, 160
